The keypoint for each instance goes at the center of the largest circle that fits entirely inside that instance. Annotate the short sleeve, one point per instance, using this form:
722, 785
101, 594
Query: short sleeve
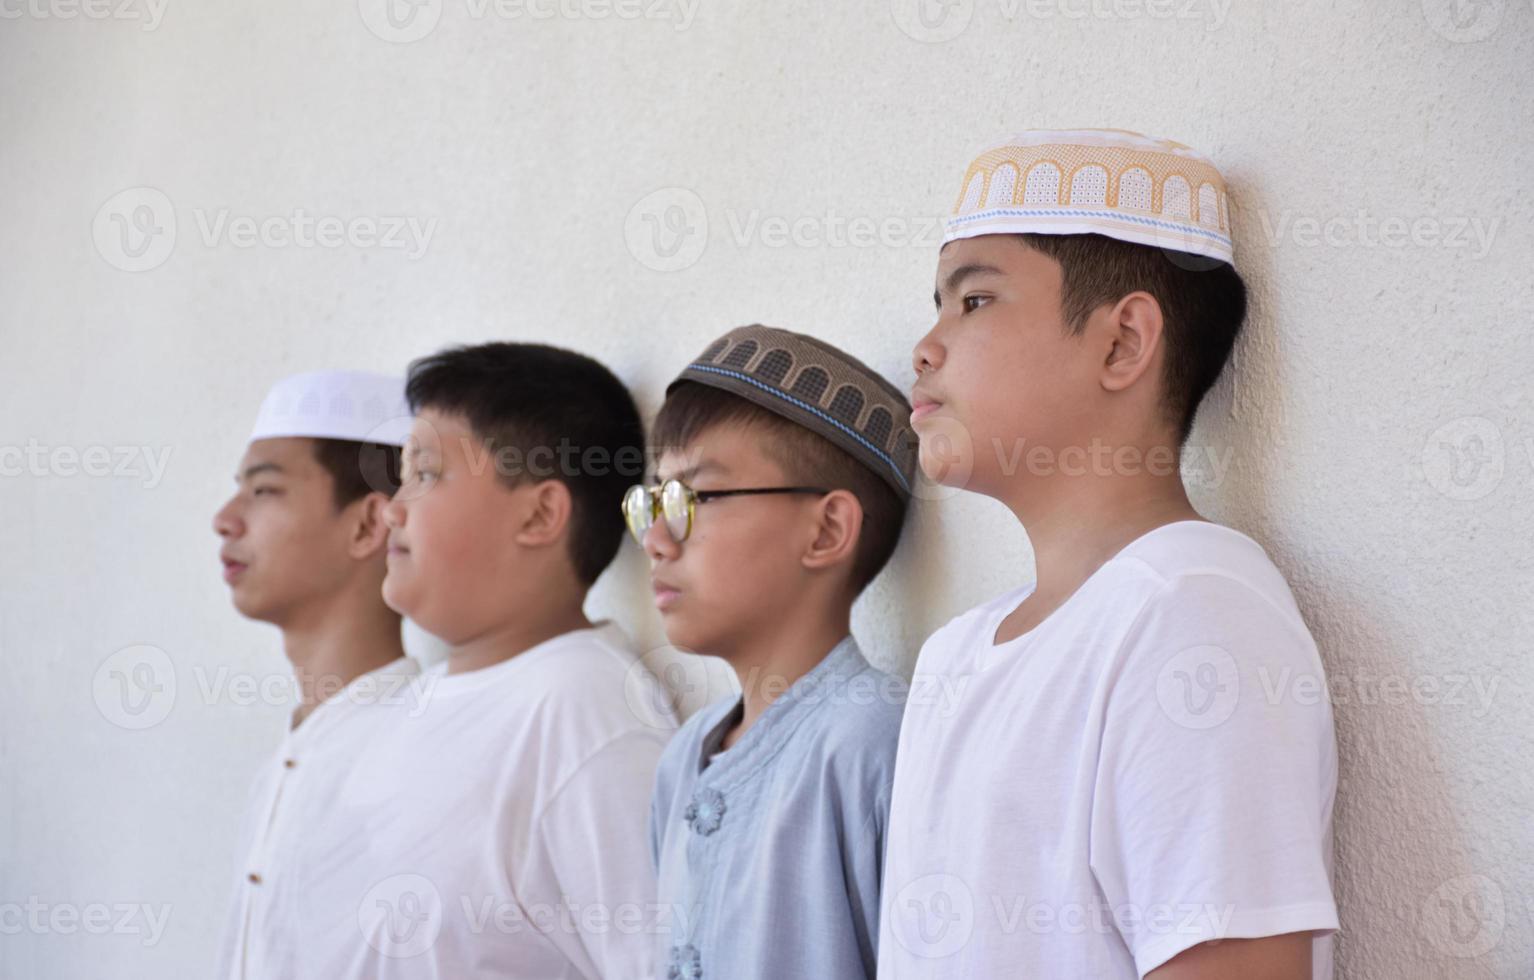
1216, 773
590, 858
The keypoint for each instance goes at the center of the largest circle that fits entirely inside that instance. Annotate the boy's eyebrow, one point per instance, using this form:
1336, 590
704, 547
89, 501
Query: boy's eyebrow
691, 472
956, 278
256, 469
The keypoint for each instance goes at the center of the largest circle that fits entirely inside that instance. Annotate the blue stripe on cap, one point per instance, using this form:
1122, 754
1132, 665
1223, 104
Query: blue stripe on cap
816, 412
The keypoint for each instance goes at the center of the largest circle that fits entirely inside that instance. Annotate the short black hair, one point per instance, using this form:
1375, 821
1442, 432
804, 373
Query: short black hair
1203, 305
807, 458
358, 468
532, 400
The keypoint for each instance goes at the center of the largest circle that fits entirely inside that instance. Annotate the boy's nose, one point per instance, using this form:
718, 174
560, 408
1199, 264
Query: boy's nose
927, 355
226, 523
658, 542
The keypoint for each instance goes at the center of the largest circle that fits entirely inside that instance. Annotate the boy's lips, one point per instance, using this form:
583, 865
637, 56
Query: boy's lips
396, 550
665, 594
923, 405
232, 569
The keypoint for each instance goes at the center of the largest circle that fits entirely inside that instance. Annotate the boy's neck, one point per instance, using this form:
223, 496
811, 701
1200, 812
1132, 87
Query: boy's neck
1077, 524
517, 635
768, 667
333, 644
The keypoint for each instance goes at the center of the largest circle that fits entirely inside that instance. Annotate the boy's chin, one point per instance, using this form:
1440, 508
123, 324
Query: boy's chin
955, 474
689, 637
946, 453
397, 597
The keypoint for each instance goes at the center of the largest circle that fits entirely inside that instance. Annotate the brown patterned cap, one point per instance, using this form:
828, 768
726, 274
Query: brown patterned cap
829, 392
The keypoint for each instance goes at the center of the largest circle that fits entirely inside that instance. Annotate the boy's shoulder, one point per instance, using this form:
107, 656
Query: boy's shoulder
1178, 567
856, 718
865, 712
854, 729
588, 680
1190, 548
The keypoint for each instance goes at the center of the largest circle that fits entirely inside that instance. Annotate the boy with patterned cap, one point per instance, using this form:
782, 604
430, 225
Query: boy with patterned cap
303, 541
784, 471
1113, 795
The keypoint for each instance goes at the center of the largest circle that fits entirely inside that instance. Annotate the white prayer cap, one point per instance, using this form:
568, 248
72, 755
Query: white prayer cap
354, 405
1096, 181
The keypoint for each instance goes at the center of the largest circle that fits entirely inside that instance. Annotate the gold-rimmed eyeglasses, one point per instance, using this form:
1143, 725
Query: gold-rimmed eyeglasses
676, 502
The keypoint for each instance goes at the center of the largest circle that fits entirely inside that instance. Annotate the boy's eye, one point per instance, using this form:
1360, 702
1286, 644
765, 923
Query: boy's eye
973, 302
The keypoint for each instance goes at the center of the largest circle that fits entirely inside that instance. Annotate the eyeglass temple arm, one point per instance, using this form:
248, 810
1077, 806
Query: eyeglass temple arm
703, 495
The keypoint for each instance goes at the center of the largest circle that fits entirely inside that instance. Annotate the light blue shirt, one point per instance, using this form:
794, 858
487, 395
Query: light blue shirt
770, 858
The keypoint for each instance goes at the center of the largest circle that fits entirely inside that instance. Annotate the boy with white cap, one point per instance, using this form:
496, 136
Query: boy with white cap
1115, 796
304, 549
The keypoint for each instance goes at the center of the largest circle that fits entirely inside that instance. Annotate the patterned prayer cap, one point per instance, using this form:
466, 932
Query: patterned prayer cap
1096, 181
829, 392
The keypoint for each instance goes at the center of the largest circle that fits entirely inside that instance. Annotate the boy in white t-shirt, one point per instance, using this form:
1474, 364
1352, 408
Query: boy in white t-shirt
1137, 776
505, 813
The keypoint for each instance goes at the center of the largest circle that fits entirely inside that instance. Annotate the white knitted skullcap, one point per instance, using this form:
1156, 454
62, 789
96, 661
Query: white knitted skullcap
352, 405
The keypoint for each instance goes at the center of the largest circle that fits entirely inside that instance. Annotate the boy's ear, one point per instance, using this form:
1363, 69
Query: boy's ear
836, 532
546, 515
369, 533
1133, 337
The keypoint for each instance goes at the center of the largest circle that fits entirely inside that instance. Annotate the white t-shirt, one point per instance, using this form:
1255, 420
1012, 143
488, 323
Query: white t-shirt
292, 821
1151, 767
498, 827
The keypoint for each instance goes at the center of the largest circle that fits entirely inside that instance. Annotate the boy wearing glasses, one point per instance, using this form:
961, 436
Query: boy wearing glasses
504, 818
784, 473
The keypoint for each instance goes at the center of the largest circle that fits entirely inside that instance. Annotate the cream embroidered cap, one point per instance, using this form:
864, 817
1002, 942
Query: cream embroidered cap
1096, 181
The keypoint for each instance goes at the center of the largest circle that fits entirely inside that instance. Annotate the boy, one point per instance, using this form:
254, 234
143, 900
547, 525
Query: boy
1114, 794
785, 468
506, 818
303, 542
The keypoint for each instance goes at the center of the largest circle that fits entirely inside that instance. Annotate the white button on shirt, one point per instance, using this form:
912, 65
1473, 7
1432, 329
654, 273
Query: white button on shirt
293, 814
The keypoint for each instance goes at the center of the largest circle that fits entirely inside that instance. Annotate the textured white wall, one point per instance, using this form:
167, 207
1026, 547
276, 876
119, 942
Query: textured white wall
1376, 431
